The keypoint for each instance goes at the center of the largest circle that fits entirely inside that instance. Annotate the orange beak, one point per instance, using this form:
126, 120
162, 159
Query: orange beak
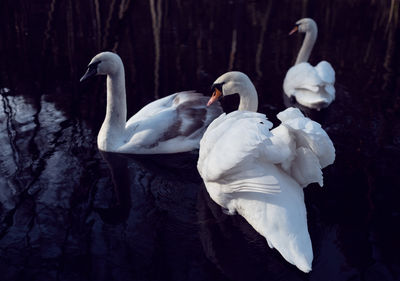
215, 96
296, 28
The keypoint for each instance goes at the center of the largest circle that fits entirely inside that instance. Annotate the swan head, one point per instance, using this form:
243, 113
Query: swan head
234, 82
105, 63
304, 25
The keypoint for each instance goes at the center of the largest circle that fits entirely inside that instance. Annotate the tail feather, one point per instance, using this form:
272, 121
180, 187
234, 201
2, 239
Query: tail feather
282, 220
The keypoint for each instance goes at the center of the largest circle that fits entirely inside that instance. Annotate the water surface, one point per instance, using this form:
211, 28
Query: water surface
69, 212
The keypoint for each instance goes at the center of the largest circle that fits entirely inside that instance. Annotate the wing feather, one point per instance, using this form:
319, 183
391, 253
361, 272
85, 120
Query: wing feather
311, 147
311, 86
173, 123
326, 72
237, 166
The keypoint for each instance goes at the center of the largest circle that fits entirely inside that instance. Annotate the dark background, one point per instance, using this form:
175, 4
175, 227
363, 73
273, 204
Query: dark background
68, 212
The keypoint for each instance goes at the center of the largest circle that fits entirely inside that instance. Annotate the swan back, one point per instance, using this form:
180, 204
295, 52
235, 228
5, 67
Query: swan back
171, 124
311, 86
226, 134
257, 172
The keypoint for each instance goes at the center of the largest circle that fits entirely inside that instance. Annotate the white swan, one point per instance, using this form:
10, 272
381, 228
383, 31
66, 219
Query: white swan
171, 124
312, 87
259, 173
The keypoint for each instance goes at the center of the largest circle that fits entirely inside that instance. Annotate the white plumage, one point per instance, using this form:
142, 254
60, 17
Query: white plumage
259, 173
171, 124
311, 86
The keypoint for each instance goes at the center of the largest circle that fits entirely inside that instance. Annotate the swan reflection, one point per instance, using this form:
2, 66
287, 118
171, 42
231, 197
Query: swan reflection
242, 254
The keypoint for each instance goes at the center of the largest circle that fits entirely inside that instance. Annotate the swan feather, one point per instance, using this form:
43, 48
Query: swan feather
257, 172
171, 124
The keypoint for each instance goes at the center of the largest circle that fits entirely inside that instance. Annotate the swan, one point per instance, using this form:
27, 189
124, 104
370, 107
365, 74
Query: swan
310, 86
171, 124
259, 173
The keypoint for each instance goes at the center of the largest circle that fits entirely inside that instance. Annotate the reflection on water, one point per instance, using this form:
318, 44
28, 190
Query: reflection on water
69, 212
242, 254
66, 210
36, 141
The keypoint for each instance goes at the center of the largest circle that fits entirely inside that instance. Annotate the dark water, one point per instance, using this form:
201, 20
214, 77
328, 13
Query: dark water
68, 212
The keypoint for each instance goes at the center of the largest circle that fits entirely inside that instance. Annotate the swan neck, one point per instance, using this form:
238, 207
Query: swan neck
116, 101
249, 99
307, 46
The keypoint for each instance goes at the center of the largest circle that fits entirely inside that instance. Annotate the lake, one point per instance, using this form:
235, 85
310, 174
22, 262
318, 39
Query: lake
71, 212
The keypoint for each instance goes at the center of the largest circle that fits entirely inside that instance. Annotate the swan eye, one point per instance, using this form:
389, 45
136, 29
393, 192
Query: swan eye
91, 71
94, 64
217, 86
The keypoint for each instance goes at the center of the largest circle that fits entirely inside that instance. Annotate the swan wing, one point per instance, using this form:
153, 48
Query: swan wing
194, 114
282, 219
171, 124
306, 76
310, 148
149, 132
228, 151
240, 161
326, 72
152, 108
327, 75
301, 76
311, 86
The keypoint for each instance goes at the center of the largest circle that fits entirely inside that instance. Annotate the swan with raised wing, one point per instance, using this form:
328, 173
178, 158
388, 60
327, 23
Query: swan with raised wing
310, 86
260, 173
171, 124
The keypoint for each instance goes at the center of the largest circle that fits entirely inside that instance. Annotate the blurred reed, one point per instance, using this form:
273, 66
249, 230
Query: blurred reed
175, 45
